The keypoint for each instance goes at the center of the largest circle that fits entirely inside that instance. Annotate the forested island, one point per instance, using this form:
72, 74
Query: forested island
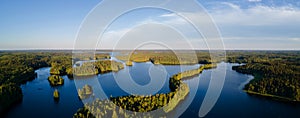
85, 92
56, 94
128, 63
55, 80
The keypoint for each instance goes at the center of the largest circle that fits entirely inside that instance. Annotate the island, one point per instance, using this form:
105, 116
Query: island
97, 67
55, 80
56, 94
85, 92
128, 63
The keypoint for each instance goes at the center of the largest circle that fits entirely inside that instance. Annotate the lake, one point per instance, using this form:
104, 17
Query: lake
233, 102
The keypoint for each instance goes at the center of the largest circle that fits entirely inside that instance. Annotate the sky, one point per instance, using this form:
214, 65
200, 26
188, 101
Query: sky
243, 24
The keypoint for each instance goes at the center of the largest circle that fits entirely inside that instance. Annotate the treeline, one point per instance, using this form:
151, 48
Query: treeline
148, 103
94, 68
190, 73
107, 108
286, 57
143, 103
90, 55
276, 74
108, 66
62, 64
87, 68
175, 80
273, 79
17, 68
9, 94
168, 57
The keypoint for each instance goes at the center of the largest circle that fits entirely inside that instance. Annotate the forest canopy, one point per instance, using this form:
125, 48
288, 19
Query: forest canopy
277, 74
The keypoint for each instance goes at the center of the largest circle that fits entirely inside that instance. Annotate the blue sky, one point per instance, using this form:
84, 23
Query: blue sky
244, 24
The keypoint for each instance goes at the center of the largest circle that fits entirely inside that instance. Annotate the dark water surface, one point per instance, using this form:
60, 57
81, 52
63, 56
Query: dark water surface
38, 94
38, 98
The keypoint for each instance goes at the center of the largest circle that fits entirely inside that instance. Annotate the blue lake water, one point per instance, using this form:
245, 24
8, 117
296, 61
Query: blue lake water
233, 102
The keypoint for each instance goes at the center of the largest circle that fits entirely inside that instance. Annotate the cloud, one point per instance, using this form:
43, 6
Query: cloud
257, 15
173, 21
153, 35
254, 0
262, 43
260, 26
231, 5
295, 39
253, 27
168, 15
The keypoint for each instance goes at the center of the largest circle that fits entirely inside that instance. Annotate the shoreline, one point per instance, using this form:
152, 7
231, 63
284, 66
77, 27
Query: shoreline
273, 97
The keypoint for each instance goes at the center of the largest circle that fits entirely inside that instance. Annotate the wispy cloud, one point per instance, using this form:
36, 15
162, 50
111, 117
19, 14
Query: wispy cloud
257, 15
254, 0
254, 27
295, 39
231, 5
